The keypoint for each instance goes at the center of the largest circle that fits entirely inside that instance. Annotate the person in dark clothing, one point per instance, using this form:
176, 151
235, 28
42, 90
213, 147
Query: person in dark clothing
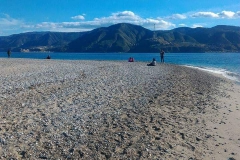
153, 63
48, 57
162, 56
9, 53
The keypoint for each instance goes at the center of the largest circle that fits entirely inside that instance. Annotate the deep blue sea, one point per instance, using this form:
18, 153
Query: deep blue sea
227, 64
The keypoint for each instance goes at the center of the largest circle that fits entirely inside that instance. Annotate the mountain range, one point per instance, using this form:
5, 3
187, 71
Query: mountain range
124, 37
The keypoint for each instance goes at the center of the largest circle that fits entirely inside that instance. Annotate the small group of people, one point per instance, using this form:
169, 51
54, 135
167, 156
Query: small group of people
9, 54
154, 62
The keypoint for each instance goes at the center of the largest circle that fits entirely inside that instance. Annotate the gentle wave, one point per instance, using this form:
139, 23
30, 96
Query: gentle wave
230, 75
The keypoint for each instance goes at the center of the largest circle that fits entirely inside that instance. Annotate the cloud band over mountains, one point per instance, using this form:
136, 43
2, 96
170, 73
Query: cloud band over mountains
78, 23
223, 14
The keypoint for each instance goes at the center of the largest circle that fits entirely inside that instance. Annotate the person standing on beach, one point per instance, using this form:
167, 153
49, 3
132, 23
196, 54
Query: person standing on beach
9, 53
162, 56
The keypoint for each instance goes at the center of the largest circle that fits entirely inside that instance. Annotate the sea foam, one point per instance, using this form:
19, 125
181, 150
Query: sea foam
229, 75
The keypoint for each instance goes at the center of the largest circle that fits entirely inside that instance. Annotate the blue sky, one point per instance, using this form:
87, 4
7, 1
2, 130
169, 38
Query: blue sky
17, 16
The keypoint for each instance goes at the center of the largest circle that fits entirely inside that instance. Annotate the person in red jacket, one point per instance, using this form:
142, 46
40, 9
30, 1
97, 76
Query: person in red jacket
131, 59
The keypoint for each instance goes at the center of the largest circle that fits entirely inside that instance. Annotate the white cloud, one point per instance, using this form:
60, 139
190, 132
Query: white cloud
119, 17
177, 16
152, 21
124, 14
237, 14
227, 14
8, 21
78, 17
196, 25
223, 14
9, 25
162, 24
182, 25
205, 14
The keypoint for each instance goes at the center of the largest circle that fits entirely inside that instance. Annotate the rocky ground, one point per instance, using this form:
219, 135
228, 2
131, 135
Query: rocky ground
52, 109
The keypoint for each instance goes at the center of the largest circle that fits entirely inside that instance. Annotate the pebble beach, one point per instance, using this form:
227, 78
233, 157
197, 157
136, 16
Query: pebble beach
55, 109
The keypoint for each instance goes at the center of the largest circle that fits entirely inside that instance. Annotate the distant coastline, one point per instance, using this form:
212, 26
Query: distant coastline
128, 38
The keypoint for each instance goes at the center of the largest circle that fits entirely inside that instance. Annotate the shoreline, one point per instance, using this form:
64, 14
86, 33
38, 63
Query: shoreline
224, 127
219, 72
232, 75
114, 110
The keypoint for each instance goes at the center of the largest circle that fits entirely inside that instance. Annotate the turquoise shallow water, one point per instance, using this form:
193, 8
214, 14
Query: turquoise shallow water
227, 64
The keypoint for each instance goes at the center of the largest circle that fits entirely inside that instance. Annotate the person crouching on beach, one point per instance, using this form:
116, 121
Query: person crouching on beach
130, 59
153, 63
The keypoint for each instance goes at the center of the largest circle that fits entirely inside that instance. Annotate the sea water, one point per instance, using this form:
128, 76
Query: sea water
227, 64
